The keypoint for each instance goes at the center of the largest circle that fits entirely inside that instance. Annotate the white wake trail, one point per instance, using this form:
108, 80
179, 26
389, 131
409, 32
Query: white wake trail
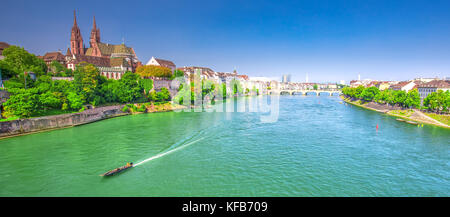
166, 153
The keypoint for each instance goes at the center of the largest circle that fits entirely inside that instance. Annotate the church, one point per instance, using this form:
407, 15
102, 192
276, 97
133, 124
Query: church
112, 60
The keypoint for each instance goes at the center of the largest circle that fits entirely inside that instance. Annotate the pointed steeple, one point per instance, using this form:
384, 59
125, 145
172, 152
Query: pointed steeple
95, 25
95, 34
76, 41
68, 52
74, 18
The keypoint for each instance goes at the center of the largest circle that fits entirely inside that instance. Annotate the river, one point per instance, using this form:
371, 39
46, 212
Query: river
316, 147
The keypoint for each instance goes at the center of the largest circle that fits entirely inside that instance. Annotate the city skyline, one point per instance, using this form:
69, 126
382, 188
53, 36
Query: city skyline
399, 42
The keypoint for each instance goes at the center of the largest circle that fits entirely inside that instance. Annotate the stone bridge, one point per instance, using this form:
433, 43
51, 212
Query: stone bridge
330, 92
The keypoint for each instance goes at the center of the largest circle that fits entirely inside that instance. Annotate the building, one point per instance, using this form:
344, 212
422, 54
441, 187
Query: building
372, 84
383, 85
3, 45
399, 85
332, 86
53, 56
405, 85
355, 83
160, 62
427, 88
425, 79
112, 60
205, 73
286, 78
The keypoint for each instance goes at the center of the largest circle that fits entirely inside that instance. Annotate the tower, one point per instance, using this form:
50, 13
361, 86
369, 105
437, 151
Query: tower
95, 34
76, 41
94, 40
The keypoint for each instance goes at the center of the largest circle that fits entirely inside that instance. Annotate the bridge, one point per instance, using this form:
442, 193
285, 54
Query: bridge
330, 92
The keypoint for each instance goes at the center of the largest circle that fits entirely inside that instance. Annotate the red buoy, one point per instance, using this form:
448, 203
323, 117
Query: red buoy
377, 126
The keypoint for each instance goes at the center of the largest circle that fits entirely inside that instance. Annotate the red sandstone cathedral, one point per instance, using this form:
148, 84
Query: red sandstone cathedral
112, 60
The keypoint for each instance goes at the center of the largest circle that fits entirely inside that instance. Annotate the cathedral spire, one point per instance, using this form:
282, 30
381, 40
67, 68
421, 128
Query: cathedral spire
74, 18
95, 34
94, 26
76, 41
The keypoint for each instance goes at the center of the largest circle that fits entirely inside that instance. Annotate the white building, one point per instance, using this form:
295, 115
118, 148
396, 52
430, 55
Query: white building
160, 62
433, 86
425, 79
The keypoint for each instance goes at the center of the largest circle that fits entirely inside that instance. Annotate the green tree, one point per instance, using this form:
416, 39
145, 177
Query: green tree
130, 89
49, 100
237, 87
224, 91
56, 67
86, 79
146, 84
44, 83
110, 90
412, 99
153, 71
18, 60
18, 81
22, 102
400, 97
75, 101
163, 95
358, 91
369, 94
178, 74
59, 70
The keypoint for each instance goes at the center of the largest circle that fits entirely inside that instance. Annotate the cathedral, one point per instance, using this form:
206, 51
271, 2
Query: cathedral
112, 60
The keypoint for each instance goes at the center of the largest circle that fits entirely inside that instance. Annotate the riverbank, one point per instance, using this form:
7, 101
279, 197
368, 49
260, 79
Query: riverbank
45, 123
396, 111
21, 127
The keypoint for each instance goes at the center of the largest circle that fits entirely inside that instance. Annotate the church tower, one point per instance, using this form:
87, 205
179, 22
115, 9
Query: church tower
95, 34
76, 41
94, 40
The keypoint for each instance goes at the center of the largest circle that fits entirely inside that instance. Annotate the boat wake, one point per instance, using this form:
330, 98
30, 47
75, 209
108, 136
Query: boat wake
166, 153
201, 134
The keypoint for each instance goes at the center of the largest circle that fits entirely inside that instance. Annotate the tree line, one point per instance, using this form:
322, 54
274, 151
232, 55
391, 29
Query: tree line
200, 91
436, 102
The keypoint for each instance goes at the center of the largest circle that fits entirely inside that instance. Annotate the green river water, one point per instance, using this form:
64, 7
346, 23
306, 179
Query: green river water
317, 147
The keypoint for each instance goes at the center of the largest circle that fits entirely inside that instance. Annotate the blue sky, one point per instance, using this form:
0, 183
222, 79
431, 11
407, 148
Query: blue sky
329, 40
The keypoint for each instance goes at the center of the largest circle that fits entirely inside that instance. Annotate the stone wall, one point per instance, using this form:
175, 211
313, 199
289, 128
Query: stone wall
171, 85
22, 126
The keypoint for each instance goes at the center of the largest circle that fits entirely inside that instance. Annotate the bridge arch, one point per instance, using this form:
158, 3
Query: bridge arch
311, 93
335, 94
323, 93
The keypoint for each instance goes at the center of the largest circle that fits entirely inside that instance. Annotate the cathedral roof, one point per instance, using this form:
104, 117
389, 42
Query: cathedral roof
108, 49
97, 61
119, 61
